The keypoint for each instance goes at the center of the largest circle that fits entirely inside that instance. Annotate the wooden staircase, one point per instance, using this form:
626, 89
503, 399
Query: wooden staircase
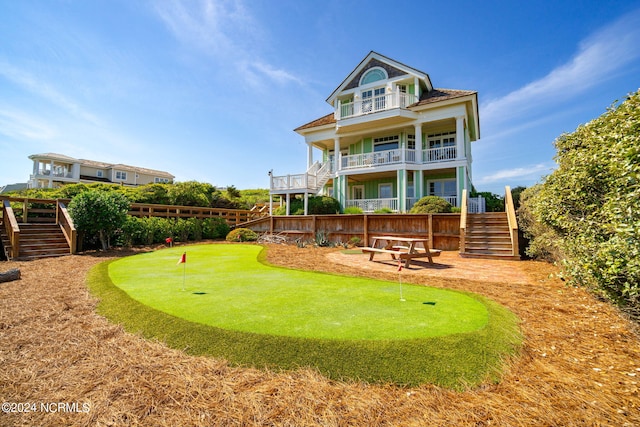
488, 236
38, 241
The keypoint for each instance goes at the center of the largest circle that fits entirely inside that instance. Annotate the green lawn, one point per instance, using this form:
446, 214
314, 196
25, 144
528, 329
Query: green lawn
226, 286
234, 306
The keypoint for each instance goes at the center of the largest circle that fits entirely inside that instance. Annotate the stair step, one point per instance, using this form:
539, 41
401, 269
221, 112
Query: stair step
40, 241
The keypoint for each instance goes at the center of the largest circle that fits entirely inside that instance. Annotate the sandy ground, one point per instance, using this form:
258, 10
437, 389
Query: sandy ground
579, 366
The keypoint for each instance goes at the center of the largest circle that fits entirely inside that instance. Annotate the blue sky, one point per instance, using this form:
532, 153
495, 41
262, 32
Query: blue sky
212, 90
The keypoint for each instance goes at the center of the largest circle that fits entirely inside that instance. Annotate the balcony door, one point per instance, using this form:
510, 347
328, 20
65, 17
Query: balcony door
357, 192
373, 100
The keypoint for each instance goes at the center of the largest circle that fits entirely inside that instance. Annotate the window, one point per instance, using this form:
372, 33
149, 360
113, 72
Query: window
373, 75
402, 90
439, 140
386, 143
160, 180
385, 191
121, 176
443, 188
411, 142
99, 174
357, 192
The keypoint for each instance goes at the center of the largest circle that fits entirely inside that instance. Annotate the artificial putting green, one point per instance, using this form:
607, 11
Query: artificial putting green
234, 305
225, 286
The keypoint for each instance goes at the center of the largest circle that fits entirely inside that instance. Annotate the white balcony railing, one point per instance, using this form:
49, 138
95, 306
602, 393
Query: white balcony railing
374, 104
440, 154
372, 205
390, 157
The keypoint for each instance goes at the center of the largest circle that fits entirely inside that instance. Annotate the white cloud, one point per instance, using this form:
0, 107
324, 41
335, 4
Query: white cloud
226, 31
20, 126
527, 172
598, 58
39, 87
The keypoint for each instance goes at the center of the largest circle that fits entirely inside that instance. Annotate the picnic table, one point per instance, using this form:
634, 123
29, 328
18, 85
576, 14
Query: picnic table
405, 248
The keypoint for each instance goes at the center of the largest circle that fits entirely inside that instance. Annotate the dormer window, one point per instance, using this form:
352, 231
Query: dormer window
373, 75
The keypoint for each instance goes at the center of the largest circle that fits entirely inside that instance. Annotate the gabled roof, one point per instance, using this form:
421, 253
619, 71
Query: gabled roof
393, 67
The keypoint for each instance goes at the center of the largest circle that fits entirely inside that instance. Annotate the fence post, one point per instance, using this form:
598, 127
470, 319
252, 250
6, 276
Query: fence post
365, 229
430, 228
313, 226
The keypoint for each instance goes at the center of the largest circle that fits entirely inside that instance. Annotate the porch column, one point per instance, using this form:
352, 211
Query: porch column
50, 174
309, 155
402, 190
460, 137
288, 204
336, 153
418, 183
270, 204
418, 138
306, 203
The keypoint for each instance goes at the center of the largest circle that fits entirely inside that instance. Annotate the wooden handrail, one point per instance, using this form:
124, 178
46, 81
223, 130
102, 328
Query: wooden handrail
511, 218
463, 220
11, 227
66, 224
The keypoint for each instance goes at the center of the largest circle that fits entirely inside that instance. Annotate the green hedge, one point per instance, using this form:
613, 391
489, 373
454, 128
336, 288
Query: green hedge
590, 205
147, 231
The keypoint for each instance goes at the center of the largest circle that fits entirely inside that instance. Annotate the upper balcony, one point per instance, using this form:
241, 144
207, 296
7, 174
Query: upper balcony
395, 100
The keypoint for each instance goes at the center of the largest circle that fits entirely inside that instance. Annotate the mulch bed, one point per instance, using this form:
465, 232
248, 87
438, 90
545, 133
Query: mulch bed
580, 363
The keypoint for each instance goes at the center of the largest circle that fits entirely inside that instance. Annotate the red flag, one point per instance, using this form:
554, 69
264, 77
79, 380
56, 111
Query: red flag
168, 240
399, 265
183, 259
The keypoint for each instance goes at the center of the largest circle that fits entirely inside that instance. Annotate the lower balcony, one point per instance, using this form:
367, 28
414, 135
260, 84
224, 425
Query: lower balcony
398, 156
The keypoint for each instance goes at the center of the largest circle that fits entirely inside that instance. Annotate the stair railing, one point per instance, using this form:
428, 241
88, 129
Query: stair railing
66, 224
511, 218
463, 220
11, 227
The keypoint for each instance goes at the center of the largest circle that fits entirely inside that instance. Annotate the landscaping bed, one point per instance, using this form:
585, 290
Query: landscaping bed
579, 363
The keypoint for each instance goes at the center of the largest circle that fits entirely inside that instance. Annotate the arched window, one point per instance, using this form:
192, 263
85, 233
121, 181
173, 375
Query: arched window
373, 75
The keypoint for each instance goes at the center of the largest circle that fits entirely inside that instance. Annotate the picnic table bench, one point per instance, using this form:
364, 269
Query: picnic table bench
405, 248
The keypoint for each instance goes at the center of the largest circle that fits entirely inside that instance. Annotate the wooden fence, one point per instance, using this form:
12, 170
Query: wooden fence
233, 217
443, 230
44, 210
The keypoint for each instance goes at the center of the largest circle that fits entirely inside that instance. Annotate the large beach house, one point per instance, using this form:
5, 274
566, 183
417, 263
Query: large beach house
391, 139
51, 170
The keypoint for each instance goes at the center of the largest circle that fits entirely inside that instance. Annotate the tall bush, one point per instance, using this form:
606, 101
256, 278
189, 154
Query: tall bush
100, 213
592, 201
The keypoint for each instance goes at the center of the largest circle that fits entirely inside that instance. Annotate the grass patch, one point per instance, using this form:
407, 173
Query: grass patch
463, 351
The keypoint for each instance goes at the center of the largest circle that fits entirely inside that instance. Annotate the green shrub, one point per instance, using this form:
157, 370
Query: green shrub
431, 204
317, 205
592, 202
352, 210
383, 211
242, 235
215, 228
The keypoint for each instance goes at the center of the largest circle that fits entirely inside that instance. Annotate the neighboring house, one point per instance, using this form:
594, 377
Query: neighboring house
371, 157
13, 187
51, 170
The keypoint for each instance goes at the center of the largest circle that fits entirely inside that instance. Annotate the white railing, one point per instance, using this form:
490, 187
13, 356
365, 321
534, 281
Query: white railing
476, 204
315, 177
441, 154
374, 104
372, 205
391, 157
378, 158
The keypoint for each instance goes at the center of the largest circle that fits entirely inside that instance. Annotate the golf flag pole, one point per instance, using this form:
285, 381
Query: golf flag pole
183, 261
400, 278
